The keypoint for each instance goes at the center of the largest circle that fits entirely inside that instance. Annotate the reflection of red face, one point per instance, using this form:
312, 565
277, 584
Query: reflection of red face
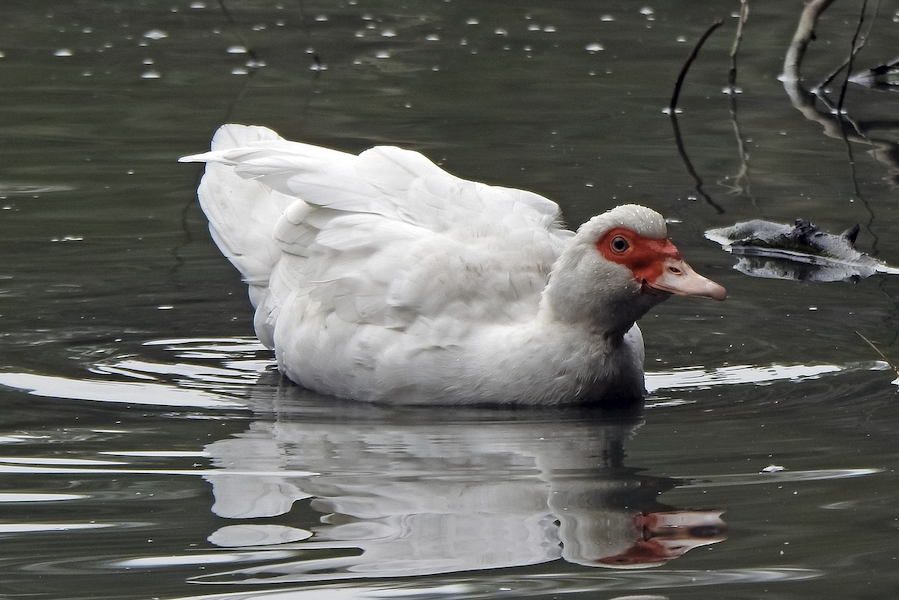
666, 536
641, 553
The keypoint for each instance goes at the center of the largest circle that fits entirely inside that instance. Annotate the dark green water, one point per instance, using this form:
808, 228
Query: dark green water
148, 450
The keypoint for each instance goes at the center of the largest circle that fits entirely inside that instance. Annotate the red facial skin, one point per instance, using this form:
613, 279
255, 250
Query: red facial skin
643, 256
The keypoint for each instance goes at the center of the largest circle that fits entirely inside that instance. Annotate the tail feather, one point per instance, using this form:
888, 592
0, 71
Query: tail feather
241, 212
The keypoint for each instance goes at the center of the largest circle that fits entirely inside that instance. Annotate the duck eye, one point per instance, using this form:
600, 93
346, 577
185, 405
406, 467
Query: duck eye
619, 244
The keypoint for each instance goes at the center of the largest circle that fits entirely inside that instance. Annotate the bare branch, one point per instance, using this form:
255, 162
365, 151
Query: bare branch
683, 72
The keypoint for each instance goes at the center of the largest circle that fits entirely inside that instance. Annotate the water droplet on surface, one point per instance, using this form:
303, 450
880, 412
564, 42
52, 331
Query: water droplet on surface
197, 5
594, 47
151, 74
63, 52
155, 34
432, 37
607, 18
388, 33
472, 21
236, 49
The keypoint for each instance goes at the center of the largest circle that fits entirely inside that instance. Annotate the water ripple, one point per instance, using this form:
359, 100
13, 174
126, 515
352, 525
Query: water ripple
698, 377
778, 477
524, 586
156, 394
25, 189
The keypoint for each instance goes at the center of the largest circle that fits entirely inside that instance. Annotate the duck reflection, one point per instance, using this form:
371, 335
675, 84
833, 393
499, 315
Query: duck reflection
398, 493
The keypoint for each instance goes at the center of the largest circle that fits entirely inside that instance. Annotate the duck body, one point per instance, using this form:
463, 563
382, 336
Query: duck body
381, 277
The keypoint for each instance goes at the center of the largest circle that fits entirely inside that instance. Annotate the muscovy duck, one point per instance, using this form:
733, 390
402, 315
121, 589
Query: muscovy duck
381, 277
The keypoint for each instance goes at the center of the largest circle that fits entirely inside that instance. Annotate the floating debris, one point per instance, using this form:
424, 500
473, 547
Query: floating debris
884, 77
800, 252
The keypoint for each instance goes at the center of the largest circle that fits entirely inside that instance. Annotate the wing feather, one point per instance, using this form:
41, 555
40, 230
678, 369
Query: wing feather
385, 238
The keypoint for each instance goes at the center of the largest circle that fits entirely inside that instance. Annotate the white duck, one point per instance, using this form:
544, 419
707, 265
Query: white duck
381, 277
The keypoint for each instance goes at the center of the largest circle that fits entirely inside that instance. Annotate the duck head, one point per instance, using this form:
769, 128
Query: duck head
618, 266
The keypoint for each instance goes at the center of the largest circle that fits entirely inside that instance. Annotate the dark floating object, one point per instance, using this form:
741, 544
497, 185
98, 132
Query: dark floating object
801, 252
883, 77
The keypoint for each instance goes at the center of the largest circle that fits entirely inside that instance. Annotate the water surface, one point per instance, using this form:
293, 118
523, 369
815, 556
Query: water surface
148, 449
